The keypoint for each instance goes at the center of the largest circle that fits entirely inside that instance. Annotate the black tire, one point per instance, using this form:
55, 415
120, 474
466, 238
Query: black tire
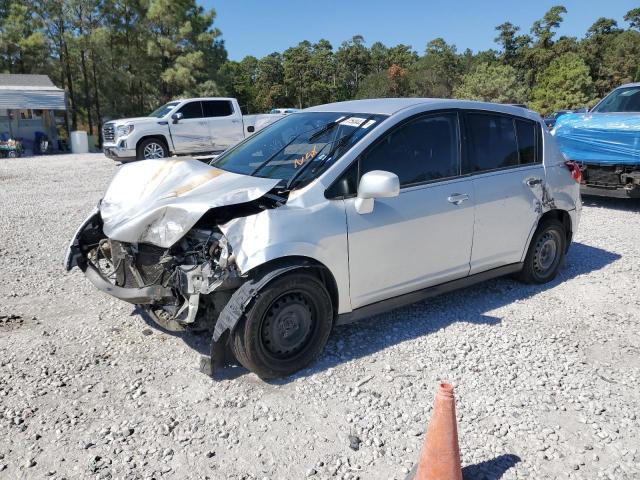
149, 145
546, 253
285, 327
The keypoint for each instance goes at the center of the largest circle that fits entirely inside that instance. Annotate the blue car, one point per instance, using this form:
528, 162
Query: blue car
606, 143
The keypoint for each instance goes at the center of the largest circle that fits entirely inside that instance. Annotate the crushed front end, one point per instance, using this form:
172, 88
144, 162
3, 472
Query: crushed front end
607, 148
183, 286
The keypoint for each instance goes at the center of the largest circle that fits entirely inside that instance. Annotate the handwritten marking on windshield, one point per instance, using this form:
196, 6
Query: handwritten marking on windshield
298, 162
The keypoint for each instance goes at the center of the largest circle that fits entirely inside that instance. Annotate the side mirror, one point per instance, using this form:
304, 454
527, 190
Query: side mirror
376, 184
176, 117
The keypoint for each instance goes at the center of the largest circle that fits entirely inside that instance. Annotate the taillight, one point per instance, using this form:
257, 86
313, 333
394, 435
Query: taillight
574, 169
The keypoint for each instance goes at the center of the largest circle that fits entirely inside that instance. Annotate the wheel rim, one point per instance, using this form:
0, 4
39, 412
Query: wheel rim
287, 325
547, 253
153, 150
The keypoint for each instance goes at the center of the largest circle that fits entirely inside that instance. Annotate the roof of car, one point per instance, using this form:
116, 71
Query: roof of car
389, 106
636, 84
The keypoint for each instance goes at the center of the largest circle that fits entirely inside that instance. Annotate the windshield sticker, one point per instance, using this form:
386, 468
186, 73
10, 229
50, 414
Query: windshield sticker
298, 162
357, 122
352, 122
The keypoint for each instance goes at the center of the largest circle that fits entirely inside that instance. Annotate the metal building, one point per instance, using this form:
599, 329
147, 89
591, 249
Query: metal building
31, 105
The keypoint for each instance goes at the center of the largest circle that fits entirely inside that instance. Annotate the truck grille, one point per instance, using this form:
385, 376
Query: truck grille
109, 132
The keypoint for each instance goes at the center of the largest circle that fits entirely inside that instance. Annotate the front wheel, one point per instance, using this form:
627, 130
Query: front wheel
152, 148
546, 252
285, 328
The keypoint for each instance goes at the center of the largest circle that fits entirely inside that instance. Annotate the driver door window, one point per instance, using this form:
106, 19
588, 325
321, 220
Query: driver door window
423, 150
191, 110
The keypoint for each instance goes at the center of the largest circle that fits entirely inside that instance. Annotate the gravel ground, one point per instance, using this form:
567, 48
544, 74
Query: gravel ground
547, 377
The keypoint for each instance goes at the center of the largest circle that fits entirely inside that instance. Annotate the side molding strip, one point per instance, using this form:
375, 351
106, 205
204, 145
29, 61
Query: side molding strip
413, 297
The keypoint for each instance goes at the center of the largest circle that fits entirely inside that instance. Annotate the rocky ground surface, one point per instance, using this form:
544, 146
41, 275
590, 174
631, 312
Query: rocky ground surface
547, 377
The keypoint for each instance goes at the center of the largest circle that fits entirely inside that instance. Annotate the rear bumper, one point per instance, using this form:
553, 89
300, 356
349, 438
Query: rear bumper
620, 192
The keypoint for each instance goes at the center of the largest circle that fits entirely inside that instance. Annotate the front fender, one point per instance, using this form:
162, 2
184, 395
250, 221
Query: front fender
288, 232
152, 132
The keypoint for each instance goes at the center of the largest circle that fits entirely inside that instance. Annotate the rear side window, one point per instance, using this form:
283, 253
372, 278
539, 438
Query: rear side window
217, 108
422, 150
491, 142
191, 110
526, 132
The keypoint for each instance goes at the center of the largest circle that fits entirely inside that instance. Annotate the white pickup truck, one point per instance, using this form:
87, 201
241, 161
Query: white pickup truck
192, 126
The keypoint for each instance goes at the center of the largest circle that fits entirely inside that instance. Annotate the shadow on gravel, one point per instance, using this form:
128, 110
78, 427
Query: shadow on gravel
198, 341
491, 469
470, 305
623, 204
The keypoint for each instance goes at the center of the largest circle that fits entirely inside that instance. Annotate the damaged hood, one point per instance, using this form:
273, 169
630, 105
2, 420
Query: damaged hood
159, 201
603, 138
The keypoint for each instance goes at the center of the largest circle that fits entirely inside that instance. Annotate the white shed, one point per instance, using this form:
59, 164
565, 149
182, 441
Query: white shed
30, 104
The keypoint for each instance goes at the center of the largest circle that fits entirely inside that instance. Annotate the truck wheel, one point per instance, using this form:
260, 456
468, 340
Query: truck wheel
546, 252
151, 148
285, 328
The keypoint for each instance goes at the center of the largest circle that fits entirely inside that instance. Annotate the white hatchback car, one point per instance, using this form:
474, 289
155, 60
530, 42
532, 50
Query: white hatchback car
331, 215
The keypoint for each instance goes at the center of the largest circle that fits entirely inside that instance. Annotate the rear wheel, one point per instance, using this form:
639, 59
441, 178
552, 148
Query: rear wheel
151, 148
546, 252
285, 328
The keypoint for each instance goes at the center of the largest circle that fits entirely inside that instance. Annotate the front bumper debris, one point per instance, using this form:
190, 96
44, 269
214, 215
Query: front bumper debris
618, 181
138, 296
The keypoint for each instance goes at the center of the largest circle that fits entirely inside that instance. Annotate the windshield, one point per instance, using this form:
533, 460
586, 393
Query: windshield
299, 147
163, 110
623, 100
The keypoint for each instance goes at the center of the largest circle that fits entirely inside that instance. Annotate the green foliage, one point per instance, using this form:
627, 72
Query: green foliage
124, 57
492, 83
23, 46
633, 17
565, 83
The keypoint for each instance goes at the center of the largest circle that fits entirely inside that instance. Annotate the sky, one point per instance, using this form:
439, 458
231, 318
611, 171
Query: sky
254, 27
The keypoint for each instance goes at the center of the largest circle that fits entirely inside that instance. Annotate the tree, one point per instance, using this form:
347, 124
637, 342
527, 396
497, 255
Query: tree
507, 39
633, 17
544, 29
379, 57
437, 72
240, 80
401, 55
297, 72
270, 89
323, 75
603, 26
564, 84
353, 63
182, 44
23, 46
492, 83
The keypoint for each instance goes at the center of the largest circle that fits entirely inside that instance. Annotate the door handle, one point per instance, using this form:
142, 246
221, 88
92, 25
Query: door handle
457, 198
532, 182
235, 121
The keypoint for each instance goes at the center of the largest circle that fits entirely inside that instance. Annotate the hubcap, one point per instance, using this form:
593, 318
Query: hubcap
153, 150
546, 254
287, 325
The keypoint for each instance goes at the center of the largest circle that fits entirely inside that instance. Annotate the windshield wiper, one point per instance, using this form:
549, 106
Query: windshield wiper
323, 130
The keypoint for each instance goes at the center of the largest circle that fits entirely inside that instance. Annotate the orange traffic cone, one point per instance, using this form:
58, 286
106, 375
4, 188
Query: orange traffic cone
440, 457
